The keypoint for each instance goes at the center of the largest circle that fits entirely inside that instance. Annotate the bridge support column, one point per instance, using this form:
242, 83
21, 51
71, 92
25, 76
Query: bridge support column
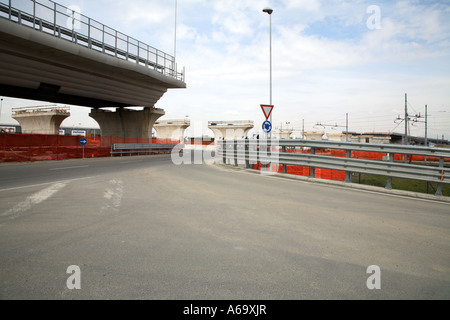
126, 123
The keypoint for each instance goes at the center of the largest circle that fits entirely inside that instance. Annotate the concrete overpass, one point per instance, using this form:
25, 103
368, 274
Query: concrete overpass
88, 65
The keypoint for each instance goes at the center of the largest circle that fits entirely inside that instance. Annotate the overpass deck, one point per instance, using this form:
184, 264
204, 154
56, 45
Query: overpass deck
51, 53
89, 33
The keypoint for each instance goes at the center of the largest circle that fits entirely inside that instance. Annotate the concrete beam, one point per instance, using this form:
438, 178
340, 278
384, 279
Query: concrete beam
230, 130
171, 129
284, 134
41, 120
315, 135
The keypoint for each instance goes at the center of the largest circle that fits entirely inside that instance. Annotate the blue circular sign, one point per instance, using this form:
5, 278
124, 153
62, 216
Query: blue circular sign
83, 141
267, 126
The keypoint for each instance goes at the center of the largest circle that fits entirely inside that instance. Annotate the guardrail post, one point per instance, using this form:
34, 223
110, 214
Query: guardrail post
54, 19
235, 153
348, 174
128, 47
389, 181
138, 48
247, 153
103, 39
439, 185
89, 34
224, 151
115, 47
312, 170
269, 154
34, 14
283, 150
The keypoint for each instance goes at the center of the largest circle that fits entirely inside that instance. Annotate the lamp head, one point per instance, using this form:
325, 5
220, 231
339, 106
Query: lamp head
268, 10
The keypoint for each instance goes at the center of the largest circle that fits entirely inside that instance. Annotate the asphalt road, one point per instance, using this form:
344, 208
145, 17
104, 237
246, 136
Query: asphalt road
143, 228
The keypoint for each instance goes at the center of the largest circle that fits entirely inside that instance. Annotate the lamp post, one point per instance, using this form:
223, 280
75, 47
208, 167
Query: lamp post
270, 11
175, 37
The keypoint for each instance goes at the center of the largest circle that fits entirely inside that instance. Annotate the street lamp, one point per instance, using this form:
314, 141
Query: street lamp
270, 11
175, 37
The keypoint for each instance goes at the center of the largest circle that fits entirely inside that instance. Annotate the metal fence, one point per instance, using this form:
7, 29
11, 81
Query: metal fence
140, 149
65, 23
248, 152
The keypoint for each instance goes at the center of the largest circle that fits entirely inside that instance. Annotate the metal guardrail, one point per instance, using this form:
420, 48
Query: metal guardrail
253, 151
53, 19
140, 149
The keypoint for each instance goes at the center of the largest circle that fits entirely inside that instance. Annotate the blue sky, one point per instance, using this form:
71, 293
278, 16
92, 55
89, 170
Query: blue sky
329, 58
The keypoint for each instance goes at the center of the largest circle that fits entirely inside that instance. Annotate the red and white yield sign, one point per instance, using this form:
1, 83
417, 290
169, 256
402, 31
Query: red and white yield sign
267, 110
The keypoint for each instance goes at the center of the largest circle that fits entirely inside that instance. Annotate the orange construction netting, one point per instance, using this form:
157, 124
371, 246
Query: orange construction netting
34, 147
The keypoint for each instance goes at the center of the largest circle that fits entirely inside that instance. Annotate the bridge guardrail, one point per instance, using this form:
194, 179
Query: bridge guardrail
247, 152
88, 33
133, 148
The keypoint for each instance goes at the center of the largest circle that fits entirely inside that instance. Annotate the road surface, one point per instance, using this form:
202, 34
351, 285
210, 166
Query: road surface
144, 228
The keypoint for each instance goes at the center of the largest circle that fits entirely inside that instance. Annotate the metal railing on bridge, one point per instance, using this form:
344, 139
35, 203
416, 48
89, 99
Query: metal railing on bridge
65, 23
247, 152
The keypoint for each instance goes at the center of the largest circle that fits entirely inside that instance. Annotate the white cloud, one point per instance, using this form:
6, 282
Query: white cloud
308, 5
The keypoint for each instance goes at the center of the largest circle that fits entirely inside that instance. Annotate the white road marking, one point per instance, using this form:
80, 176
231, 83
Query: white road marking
68, 168
34, 199
43, 184
113, 194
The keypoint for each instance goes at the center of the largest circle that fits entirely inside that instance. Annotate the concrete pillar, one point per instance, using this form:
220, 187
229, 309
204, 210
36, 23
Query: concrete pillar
230, 130
41, 120
127, 123
171, 129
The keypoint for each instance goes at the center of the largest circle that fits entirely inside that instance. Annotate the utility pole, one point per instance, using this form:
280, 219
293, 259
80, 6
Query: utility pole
175, 38
426, 125
303, 129
406, 120
346, 127
1, 105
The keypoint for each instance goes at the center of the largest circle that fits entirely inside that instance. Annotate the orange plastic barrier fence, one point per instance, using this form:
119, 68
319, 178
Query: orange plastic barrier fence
306, 171
32, 147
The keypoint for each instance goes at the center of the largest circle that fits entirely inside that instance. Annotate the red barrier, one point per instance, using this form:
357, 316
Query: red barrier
33, 147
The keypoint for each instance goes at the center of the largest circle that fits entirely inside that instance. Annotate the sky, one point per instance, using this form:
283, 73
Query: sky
329, 59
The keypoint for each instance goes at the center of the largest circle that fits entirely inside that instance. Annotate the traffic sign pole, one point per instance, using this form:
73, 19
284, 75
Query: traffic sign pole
267, 110
83, 142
